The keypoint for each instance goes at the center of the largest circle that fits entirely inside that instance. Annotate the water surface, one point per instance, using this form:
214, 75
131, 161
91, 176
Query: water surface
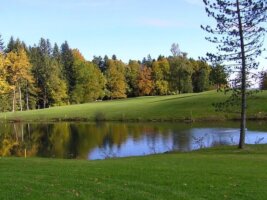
106, 140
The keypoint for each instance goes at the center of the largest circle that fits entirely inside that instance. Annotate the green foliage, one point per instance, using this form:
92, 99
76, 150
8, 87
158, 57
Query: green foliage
263, 83
90, 82
132, 72
15, 45
181, 74
1, 44
63, 76
47, 70
160, 73
100, 116
67, 60
201, 76
116, 82
5, 102
218, 76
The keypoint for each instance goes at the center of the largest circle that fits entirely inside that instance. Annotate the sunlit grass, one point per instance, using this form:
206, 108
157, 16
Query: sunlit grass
218, 173
160, 108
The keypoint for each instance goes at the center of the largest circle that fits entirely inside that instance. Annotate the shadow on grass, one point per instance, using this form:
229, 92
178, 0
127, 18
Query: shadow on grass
174, 99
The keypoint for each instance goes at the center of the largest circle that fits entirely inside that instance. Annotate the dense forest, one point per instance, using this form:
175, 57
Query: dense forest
44, 75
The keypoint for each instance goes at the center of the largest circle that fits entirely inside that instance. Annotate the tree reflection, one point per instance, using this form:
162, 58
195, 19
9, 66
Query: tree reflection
105, 140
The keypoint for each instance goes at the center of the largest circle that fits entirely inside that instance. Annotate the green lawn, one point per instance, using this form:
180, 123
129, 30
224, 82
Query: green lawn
164, 108
219, 173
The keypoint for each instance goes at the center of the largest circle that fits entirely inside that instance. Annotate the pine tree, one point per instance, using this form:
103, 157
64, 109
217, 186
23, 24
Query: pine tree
47, 70
67, 61
2, 47
239, 36
15, 45
56, 52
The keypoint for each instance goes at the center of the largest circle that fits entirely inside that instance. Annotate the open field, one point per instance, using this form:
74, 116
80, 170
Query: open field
218, 173
196, 107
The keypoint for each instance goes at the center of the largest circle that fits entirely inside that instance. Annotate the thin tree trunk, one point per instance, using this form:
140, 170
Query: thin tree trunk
27, 97
14, 100
243, 84
44, 102
20, 101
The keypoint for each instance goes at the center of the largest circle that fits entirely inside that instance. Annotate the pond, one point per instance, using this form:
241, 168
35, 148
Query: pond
106, 140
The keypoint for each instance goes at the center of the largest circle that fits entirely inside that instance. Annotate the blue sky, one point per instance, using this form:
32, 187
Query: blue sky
131, 29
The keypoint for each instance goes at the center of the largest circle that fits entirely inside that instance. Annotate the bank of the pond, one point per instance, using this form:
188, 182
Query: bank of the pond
184, 107
218, 173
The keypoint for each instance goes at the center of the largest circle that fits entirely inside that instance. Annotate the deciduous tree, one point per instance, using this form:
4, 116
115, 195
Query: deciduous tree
18, 72
116, 82
145, 82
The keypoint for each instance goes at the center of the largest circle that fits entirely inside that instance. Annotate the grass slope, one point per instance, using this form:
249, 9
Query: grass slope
223, 173
164, 108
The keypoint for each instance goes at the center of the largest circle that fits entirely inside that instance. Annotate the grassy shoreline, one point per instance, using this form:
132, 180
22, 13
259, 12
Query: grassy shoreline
217, 173
182, 108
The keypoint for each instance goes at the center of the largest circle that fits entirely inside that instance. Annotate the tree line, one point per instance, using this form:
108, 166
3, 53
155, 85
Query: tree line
40, 76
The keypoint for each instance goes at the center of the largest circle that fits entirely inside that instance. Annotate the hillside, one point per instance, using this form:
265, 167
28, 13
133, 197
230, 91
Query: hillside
184, 107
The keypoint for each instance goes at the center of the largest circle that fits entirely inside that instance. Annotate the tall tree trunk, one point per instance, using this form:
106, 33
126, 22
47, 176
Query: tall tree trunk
20, 100
14, 100
27, 96
243, 84
45, 97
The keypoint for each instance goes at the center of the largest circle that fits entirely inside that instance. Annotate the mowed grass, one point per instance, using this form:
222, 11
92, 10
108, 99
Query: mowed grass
218, 173
160, 108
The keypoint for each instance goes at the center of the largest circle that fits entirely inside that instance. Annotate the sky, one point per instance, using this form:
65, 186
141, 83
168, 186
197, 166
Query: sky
130, 29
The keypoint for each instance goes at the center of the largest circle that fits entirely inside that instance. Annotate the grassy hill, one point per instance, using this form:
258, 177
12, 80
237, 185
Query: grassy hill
220, 173
197, 107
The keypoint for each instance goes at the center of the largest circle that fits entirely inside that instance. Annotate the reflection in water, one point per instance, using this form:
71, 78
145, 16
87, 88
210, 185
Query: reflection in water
106, 140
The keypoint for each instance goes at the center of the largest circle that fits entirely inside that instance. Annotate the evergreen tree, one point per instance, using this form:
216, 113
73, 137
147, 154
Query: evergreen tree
67, 60
218, 76
239, 35
2, 47
200, 76
263, 82
47, 71
56, 53
15, 45
114, 57
147, 61
10, 45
